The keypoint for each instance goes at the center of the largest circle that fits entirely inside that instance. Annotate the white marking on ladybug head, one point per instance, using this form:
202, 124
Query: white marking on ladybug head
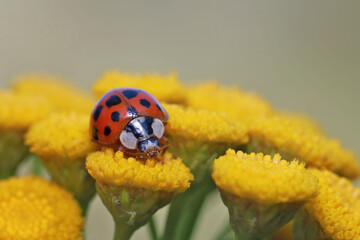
128, 139
158, 128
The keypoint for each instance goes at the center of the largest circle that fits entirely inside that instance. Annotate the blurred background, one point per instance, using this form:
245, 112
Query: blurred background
302, 56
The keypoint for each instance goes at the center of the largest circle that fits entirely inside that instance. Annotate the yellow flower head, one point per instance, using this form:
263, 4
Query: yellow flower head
280, 134
20, 111
62, 95
262, 178
164, 88
204, 125
168, 175
337, 207
301, 121
236, 103
33, 208
61, 135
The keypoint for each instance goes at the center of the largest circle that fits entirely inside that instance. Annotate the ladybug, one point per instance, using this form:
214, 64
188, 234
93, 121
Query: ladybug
131, 119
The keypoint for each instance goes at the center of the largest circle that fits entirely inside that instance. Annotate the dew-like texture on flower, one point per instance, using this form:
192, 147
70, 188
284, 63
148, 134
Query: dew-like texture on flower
168, 175
61, 94
20, 111
165, 88
262, 178
337, 207
310, 146
61, 134
204, 125
34, 209
238, 104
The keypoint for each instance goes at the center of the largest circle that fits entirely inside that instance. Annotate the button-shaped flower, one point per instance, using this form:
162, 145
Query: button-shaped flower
17, 113
232, 100
280, 133
165, 88
261, 193
199, 136
62, 95
133, 190
62, 141
34, 209
333, 214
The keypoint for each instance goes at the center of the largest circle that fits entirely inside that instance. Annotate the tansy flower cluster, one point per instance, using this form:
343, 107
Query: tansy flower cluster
232, 172
278, 174
20, 111
33, 208
63, 96
165, 88
264, 199
62, 141
336, 210
169, 175
233, 100
17, 113
61, 135
204, 125
279, 133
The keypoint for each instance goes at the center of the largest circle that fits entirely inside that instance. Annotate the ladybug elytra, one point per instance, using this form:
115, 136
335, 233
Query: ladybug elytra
131, 119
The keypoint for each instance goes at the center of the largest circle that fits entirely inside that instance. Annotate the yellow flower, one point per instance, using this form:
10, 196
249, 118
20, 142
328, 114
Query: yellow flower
164, 88
261, 193
234, 101
204, 125
336, 210
263, 178
35, 209
278, 133
301, 120
61, 135
133, 190
62, 141
17, 113
20, 111
169, 175
63, 96
199, 136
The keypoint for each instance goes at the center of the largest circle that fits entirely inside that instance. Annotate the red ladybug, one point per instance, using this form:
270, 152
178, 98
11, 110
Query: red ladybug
131, 119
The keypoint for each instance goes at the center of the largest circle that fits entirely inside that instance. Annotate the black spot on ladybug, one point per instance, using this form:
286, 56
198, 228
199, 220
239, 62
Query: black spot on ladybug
97, 112
107, 131
145, 103
158, 106
132, 112
95, 133
113, 100
115, 116
130, 93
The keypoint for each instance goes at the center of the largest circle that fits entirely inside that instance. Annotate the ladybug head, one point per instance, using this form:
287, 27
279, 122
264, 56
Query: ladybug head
143, 134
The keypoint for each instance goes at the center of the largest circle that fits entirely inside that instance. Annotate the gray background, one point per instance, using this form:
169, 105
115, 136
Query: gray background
302, 56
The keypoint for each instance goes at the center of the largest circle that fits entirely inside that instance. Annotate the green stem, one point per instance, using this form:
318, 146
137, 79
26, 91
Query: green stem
123, 231
184, 211
37, 166
84, 204
153, 229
